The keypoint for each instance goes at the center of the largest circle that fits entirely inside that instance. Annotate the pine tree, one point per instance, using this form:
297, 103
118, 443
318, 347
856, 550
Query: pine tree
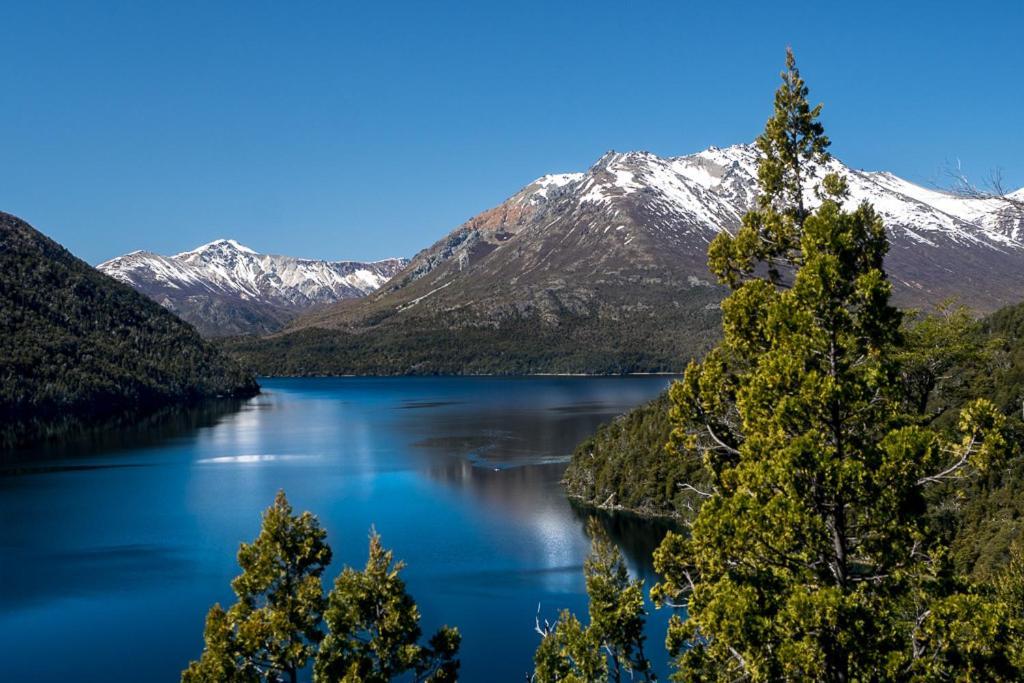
617, 613
274, 628
811, 557
374, 629
794, 148
221, 661
976, 634
612, 644
569, 653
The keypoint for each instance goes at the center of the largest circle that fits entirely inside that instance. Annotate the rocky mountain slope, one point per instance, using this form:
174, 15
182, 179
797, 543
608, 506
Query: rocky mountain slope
605, 271
225, 288
77, 347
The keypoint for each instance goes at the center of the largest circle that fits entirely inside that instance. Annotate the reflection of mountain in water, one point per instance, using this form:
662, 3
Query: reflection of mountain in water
126, 433
516, 491
501, 438
527, 493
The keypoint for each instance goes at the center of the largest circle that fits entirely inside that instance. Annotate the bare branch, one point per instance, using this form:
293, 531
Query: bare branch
722, 444
690, 487
543, 631
953, 469
994, 188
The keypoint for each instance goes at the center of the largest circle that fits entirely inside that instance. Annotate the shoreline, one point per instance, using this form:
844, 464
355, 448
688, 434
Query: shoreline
471, 375
575, 499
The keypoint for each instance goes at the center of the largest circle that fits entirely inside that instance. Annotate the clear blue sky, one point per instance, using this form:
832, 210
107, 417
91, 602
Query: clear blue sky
370, 129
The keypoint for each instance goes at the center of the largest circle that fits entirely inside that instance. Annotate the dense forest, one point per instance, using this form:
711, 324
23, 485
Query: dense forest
625, 466
657, 341
629, 464
78, 348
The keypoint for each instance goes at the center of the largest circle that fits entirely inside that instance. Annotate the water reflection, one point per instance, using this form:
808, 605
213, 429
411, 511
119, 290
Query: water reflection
532, 494
250, 459
125, 434
637, 538
460, 476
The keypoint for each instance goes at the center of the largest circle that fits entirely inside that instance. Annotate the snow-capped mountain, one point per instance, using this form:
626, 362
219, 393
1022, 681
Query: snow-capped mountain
623, 245
704, 193
636, 210
226, 288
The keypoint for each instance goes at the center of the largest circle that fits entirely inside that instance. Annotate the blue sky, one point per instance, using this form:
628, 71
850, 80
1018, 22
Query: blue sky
370, 129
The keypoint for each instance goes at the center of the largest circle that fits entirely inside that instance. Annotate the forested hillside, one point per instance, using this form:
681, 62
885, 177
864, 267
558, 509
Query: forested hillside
628, 463
430, 345
77, 347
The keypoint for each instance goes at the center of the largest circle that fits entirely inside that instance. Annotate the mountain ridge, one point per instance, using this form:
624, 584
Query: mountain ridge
710, 191
224, 287
623, 245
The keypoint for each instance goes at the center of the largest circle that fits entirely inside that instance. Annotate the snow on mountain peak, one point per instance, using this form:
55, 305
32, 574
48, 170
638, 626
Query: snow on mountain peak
218, 245
557, 179
710, 190
226, 268
540, 188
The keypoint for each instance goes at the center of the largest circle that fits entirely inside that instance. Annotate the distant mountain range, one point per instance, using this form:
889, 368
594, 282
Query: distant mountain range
550, 245
224, 288
78, 348
604, 271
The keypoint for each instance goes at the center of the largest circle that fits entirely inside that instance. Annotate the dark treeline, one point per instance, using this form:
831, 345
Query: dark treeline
949, 358
77, 347
124, 431
659, 341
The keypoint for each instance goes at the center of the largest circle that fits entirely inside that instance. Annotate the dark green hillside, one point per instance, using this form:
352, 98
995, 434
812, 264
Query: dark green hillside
643, 342
625, 464
1006, 326
77, 347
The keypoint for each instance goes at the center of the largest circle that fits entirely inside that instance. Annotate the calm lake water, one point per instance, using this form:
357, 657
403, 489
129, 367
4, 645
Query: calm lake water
111, 553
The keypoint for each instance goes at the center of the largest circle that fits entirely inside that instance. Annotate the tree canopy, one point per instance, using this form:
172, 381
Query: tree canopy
276, 627
374, 628
611, 646
812, 556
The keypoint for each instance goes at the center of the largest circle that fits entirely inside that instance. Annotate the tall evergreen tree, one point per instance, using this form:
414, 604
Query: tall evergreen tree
611, 646
220, 661
274, 628
617, 613
811, 557
374, 629
793, 150
569, 653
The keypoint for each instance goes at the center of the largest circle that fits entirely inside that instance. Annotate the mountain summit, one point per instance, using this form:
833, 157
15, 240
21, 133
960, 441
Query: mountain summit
640, 213
226, 288
607, 267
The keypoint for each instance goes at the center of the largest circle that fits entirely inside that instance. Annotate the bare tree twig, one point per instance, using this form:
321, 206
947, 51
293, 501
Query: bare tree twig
994, 187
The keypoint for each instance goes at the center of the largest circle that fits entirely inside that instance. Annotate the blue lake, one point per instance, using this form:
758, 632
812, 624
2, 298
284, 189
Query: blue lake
111, 552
